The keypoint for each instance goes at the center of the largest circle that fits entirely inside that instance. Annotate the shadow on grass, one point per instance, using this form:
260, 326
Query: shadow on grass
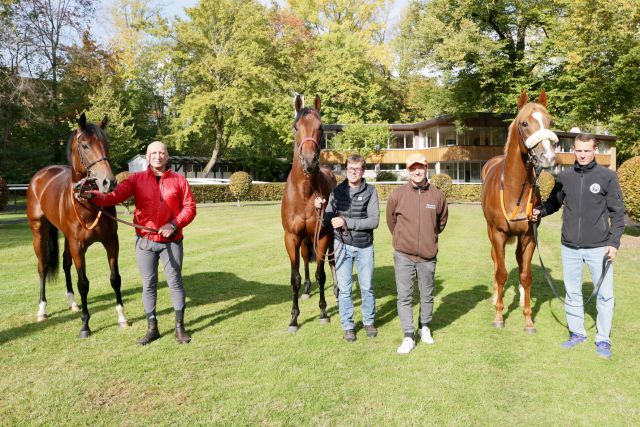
541, 293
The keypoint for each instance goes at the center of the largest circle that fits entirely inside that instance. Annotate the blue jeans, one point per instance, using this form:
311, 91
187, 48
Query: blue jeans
572, 263
363, 257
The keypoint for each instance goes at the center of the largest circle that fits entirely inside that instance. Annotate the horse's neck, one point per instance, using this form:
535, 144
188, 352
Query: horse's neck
516, 171
307, 185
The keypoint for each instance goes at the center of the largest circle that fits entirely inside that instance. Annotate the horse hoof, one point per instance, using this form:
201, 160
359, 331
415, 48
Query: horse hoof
325, 320
41, 317
74, 308
498, 324
85, 334
124, 324
530, 330
293, 329
305, 296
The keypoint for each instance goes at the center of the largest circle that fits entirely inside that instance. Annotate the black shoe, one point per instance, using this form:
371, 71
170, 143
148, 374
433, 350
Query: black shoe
181, 334
152, 332
350, 335
372, 332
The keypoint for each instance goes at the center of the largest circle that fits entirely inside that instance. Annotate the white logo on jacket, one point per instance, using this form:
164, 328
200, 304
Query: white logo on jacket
595, 188
430, 206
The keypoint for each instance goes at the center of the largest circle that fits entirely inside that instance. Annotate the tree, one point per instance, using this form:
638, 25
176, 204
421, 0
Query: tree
363, 139
228, 73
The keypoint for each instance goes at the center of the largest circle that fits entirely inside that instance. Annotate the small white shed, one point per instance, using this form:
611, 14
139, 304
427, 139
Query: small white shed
137, 163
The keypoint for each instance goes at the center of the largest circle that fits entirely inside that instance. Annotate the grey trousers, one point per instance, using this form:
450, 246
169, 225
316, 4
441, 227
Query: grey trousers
405, 271
148, 253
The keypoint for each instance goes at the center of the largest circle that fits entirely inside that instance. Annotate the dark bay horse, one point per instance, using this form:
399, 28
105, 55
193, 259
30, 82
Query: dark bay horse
307, 180
507, 182
52, 206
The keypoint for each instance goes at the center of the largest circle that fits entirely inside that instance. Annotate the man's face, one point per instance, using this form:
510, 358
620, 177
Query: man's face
157, 156
417, 173
585, 151
354, 173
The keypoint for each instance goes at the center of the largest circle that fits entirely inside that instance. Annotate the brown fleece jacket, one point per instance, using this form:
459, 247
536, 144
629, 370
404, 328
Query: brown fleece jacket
415, 217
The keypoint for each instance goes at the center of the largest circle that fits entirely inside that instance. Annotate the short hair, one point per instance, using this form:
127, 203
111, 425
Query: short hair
586, 137
355, 158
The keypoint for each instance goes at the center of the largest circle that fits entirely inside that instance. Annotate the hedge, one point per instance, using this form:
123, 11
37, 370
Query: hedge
273, 192
629, 177
4, 193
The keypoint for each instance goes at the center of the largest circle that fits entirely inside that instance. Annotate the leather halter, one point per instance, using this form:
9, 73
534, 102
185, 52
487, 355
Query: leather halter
87, 166
316, 146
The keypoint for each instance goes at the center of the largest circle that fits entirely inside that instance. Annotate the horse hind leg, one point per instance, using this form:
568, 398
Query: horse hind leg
500, 277
45, 245
528, 247
66, 266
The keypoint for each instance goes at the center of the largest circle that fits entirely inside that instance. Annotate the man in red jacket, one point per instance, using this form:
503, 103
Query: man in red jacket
417, 213
164, 202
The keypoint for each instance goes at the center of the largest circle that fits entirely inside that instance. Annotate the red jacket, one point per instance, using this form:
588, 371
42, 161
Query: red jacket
157, 203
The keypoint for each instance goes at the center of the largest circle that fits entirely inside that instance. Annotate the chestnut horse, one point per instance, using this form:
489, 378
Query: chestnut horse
52, 206
306, 181
506, 181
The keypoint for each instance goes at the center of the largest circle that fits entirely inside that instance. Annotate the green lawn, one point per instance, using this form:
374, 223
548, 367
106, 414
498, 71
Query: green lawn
243, 367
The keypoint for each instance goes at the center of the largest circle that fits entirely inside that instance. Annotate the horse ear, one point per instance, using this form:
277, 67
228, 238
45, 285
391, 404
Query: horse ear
543, 98
82, 122
316, 103
522, 99
298, 103
104, 122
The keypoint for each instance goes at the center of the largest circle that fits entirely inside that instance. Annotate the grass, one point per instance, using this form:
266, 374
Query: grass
244, 368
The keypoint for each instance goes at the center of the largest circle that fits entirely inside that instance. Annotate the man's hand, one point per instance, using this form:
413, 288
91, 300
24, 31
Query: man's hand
87, 195
535, 214
318, 202
611, 252
167, 230
338, 222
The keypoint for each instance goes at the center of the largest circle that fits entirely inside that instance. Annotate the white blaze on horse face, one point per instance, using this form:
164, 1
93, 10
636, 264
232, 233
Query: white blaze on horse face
538, 116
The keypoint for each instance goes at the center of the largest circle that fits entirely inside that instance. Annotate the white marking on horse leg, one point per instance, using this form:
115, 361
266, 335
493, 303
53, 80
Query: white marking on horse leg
42, 311
73, 306
122, 319
521, 290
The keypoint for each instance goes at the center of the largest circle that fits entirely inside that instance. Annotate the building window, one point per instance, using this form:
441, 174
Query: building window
462, 172
432, 137
497, 136
326, 142
447, 136
401, 140
565, 145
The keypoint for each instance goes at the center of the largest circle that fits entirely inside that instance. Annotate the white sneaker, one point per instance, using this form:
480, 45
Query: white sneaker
406, 346
425, 334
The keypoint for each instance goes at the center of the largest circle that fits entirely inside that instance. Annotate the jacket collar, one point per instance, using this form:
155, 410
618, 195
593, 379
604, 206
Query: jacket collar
586, 168
166, 173
424, 187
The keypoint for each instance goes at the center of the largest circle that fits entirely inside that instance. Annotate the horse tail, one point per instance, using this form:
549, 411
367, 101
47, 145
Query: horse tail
311, 249
511, 240
52, 260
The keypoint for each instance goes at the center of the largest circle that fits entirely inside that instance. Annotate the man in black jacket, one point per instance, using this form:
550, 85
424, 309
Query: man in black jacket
592, 224
353, 213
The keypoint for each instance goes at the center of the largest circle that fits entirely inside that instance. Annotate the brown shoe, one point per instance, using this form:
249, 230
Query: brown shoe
181, 334
372, 332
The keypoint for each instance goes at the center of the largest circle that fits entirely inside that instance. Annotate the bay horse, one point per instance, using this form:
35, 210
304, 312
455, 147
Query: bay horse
506, 180
306, 181
52, 206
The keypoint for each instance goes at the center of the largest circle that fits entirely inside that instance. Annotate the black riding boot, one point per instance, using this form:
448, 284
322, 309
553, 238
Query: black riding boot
152, 332
181, 334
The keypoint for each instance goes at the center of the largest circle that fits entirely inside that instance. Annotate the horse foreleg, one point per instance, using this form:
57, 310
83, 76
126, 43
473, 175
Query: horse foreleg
304, 250
529, 247
77, 253
66, 266
499, 275
293, 244
321, 278
113, 249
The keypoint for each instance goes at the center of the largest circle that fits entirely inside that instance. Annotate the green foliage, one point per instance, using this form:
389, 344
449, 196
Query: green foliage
239, 185
629, 176
339, 178
386, 176
443, 182
363, 139
123, 143
119, 178
466, 192
221, 193
546, 181
4, 193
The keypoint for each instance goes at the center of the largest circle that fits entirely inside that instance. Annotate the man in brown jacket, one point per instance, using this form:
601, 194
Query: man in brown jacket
416, 213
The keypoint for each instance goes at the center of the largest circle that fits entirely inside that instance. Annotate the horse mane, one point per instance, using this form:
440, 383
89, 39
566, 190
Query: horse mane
90, 129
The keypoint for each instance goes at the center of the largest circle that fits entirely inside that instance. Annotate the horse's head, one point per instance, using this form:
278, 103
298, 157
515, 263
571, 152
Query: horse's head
88, 152
308, 131
532, 125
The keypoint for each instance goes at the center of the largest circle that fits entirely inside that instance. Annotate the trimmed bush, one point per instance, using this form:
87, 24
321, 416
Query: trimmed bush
4, 193
119, 178
466, 193
546, 181
386, 176
629, 177
239, 185
339, 178
443, 182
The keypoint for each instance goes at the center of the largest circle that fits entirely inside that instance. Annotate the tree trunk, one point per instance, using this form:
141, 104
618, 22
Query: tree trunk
216, 148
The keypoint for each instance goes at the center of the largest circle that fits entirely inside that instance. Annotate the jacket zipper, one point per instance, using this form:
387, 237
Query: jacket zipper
419, 218
580, 210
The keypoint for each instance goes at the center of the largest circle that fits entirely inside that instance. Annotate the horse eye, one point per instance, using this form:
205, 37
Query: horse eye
85, 146
525, 124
